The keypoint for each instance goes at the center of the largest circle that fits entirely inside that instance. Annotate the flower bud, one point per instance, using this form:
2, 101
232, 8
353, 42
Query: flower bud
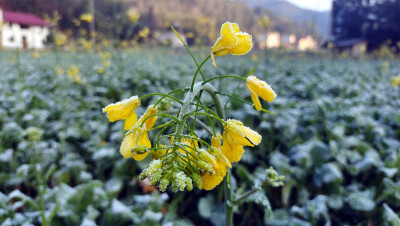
163, 184
143, 175
189, 184
179, 181
139, 149
155, 177
153, 166
205, 167
207, 157
196, 178
158, 153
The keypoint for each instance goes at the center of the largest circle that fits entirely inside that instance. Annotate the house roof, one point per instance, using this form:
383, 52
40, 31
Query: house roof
23, 18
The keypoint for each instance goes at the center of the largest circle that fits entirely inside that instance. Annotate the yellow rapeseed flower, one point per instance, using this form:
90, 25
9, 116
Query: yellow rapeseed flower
149, 123
241, 134
216, 144
137, 138
124, 109
73, 72
395, 81
210, 181
36, 55
231, 41
235, 136
133, 15
230, 149
260, 88
144, 32
87, 17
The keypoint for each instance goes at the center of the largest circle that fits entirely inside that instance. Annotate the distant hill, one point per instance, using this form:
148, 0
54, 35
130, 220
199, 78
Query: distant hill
302, 16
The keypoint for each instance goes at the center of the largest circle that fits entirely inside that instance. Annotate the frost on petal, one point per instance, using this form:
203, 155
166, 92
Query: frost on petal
137, 137
127, 144
210, 181
261, 88
151, 110
228, 34
244, 44
122, 109
256, 101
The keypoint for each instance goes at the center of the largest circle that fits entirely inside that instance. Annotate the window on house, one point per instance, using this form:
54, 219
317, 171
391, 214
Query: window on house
11, 39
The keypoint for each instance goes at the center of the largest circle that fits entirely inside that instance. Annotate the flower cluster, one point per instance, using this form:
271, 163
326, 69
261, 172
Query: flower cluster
395, 81
231, 41
180, 157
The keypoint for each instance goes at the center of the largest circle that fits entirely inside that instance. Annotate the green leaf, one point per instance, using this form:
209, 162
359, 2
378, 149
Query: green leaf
361, 201
261, 199
390, 216
205, 206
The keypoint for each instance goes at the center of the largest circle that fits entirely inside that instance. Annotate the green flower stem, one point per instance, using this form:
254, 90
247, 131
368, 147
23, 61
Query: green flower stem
203, 113
224, 76
175, 91
245, 195
245, 102
228, 198
220, 111
162, 94
158, 114
197, 71
190, 52
202, 124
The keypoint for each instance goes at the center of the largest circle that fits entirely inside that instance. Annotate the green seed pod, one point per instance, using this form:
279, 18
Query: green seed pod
189, 184
156, 177
179, 181
143, 175
205, 167
207, 157
163, 184
196, 178
140, 149
153, 166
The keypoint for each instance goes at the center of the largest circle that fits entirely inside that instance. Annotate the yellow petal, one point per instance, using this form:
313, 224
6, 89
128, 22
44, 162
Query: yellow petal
216, 141
261, 88
228, 34
231, 150
130, 121
127, 144
228, 38
122, 109
222, 52
144, 140
251, 135
210, 181
256, 101
241, 134
244, 44
137, 137
151, 110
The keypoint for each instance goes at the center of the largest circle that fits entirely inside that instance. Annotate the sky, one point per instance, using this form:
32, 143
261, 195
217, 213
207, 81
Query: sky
318, 5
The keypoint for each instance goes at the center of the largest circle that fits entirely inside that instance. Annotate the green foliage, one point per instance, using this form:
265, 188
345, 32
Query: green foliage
335, 139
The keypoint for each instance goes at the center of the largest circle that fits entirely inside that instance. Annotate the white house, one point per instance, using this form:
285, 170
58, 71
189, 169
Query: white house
22, 30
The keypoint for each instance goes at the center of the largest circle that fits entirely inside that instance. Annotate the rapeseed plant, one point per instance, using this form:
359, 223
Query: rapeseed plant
187, 160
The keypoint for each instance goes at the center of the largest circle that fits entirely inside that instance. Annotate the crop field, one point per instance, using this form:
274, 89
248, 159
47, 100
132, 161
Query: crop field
335, 137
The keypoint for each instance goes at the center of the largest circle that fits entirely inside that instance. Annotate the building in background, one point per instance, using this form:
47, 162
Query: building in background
273, 40
288, 41
307, 43
22, 30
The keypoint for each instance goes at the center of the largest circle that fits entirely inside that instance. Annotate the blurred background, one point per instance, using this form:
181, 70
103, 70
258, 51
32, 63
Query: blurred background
335, 136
